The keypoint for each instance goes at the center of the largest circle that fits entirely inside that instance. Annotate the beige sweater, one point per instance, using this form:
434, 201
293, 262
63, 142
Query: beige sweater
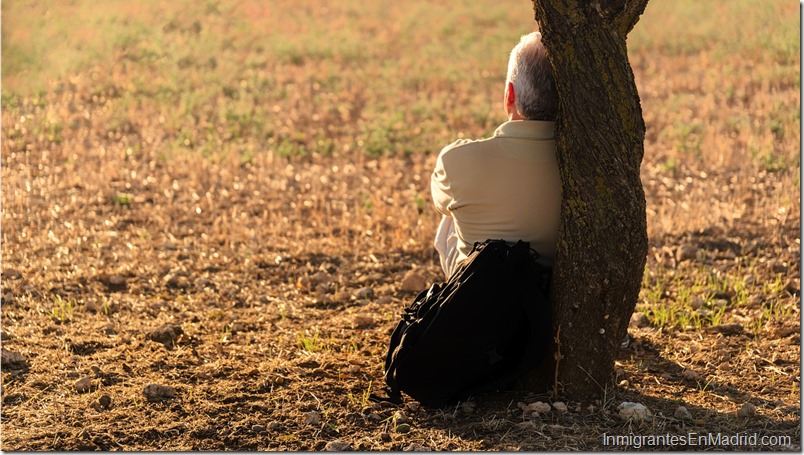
505, 187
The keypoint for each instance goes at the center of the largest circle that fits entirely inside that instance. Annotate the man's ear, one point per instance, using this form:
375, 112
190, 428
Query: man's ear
510, 95
510, 99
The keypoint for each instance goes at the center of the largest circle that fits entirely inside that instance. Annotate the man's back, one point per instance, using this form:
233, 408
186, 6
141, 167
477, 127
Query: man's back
505, 187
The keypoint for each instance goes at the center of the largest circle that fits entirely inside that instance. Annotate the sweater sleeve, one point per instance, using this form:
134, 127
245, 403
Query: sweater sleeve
440, 187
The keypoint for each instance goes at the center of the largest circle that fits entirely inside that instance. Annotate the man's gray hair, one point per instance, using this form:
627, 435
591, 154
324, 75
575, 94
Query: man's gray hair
530, 72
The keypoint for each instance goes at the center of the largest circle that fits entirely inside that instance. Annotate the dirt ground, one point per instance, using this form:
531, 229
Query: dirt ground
230, 307
212, 218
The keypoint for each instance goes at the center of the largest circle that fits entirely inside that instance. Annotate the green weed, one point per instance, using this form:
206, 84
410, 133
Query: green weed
62, 310
310, 343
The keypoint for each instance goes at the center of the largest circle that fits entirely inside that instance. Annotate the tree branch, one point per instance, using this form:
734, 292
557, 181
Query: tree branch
625, 20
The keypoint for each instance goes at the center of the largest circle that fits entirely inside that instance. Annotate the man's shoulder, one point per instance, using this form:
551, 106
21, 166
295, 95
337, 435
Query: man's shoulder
466, 146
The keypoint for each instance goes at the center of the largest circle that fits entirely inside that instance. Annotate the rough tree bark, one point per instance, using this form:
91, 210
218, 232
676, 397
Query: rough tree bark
603, 235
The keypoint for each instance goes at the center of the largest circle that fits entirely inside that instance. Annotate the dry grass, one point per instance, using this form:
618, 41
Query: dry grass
257, 175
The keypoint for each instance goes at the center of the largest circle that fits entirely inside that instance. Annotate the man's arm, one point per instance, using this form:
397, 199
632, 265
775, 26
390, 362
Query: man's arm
440, 187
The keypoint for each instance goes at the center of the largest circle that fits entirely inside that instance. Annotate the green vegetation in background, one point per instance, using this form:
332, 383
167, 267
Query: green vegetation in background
310, 77
727, 27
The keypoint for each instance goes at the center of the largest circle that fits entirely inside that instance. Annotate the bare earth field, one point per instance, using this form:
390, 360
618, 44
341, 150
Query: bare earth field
212, 217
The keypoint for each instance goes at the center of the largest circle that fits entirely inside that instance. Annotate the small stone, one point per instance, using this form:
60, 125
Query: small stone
365, 293
96, 370
337, 446
373, 416
83, 385
560, 406
273, 426
157, 392
412, 407
413, 281
312, 418
258, 428
403, 428
633, 411
105, 401
639, 320
686, 252
413, 447
3, 335
682, 414
747, 410
12, 360
624, 383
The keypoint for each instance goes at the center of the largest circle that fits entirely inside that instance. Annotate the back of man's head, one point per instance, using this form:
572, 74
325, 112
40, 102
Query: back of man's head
530, 72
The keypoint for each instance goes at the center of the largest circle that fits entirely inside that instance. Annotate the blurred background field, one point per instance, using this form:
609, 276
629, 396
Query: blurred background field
185, 148
237, 80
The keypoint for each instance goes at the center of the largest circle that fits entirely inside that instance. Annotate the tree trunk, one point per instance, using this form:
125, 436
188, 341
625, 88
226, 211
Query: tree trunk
603, 235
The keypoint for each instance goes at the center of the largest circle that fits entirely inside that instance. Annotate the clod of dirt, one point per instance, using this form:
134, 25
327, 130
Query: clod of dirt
747, 410
11, 274
726, 329
537, 407
165, 334
526, 425
639, 320
113, 281
363, 322
312, 418
686, 252
273, 426
83, 385
400, 417
682, 414
467, 407
412, 407
690, 375
633, 411
413, 281
320, 278
105, 401
365, 293
560, 406
157, 392
176, 281
12, 360
337, 446
3, 335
